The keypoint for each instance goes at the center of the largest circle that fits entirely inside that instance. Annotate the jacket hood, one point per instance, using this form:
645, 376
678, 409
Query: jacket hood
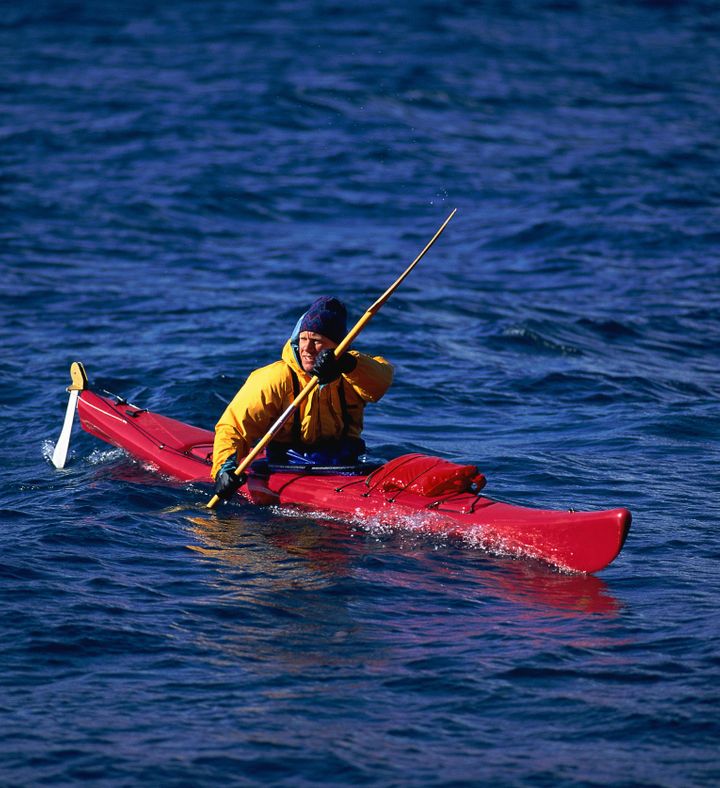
293, 344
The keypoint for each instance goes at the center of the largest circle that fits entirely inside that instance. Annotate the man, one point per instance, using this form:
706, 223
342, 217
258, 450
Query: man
326, 427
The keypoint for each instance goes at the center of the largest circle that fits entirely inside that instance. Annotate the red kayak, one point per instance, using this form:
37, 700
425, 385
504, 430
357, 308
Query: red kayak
413, 491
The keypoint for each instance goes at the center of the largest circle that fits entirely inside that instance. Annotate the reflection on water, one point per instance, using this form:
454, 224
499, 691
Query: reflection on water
536, 585
304, 596
287, 591
304, 554
307, 554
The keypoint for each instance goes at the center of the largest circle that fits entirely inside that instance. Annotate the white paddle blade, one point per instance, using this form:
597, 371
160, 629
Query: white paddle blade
61, 447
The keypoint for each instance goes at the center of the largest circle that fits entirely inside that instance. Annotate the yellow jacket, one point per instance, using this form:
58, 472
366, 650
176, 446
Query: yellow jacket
268, 391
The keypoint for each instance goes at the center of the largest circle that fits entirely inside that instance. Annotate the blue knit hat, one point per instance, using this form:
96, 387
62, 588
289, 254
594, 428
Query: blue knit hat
326, 316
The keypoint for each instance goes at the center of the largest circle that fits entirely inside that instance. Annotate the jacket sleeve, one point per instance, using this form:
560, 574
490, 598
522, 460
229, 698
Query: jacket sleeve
249, 416
372, 376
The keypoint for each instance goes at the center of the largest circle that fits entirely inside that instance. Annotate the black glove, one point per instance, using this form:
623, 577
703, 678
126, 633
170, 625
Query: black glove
328, 368
227, 482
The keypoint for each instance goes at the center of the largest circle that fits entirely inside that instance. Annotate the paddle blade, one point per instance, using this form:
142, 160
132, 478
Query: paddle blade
79, 383
59, 455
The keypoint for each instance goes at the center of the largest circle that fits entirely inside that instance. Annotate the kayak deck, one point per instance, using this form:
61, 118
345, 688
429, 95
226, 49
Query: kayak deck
574, 541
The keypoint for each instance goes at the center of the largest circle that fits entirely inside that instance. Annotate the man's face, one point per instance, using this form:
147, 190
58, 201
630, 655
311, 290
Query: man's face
310, 345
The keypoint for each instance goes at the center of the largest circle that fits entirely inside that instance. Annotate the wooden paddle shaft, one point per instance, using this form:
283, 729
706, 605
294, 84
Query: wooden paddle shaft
339, 350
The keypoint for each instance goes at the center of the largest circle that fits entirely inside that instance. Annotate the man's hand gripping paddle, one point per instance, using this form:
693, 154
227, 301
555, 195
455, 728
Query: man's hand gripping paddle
339, 350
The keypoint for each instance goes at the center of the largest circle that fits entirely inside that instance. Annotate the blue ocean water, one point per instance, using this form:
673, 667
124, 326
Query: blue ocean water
177, 181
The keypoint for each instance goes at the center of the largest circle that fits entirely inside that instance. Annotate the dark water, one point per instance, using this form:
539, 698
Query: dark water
178, 180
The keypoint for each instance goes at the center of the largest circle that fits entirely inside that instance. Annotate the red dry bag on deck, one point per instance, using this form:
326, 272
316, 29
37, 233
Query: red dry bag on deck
429, 476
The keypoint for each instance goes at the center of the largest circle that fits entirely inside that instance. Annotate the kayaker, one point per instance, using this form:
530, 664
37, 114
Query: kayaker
327, 426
